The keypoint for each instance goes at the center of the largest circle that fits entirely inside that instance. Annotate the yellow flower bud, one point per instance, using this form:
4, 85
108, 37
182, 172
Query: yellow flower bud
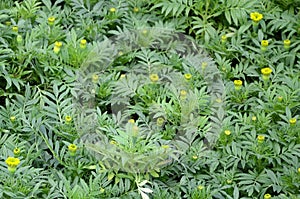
154, 77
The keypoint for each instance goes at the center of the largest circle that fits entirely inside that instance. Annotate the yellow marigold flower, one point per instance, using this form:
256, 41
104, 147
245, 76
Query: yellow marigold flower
165, 146
229, 181
95, 78
68, 119
223, 39
83, 44
57, 46
264, 43
227, 132
154, 77
195, 157
131, 121
112, 10
203, 65
135, 9
256, 16
237, 84
293, 121
253, 118
160, 121
286, 44
17, 151
51, 20
187, 76
299, 170
266, 73
113, 142
12, 163
200, 187
122, 76
260, 138
12, 118
15, 28
72, 149
267, 196
19, 39
102, 190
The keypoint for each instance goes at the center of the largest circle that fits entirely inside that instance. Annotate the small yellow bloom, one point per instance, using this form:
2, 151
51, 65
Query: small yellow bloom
144, 32
299, 170
51, 20
264, 43
260, 138
83, 44
229, 181
154, 77
112, 10
183, 94
57, 46
15, 28
256, 16
203, 65
286, 44
293, 121
72, 149
227, 132
122, 76
200, 187
113, 142
253, 118
102, 190
266, 73
131, 121
223, 39
135, 9
12, 163
267, 196
195, 157
17, 152
165, 146
12, 118
279, 98
160, 121
68, 119
187, 76
95, 78
237, 84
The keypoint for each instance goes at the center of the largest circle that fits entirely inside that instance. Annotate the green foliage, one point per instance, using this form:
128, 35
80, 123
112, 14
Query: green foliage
92, 120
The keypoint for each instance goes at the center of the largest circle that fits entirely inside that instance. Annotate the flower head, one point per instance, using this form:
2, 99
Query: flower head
122, 76
286, 44
72, 149
253, 118
183, 94
200, 187
266, 73
112, 142
51, 20
260, 138
187, 76
293, 121
131, 121
267, 196
227, 132
95, 78
112, 10
83, 44
15, 28
256, 17
160, 121
17, 151
68, 119
135, 9
165, 146
195, 157
57, 46
12, 118
237, 84
298, 170
12, 163
154, 77
223, 39
264, 43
